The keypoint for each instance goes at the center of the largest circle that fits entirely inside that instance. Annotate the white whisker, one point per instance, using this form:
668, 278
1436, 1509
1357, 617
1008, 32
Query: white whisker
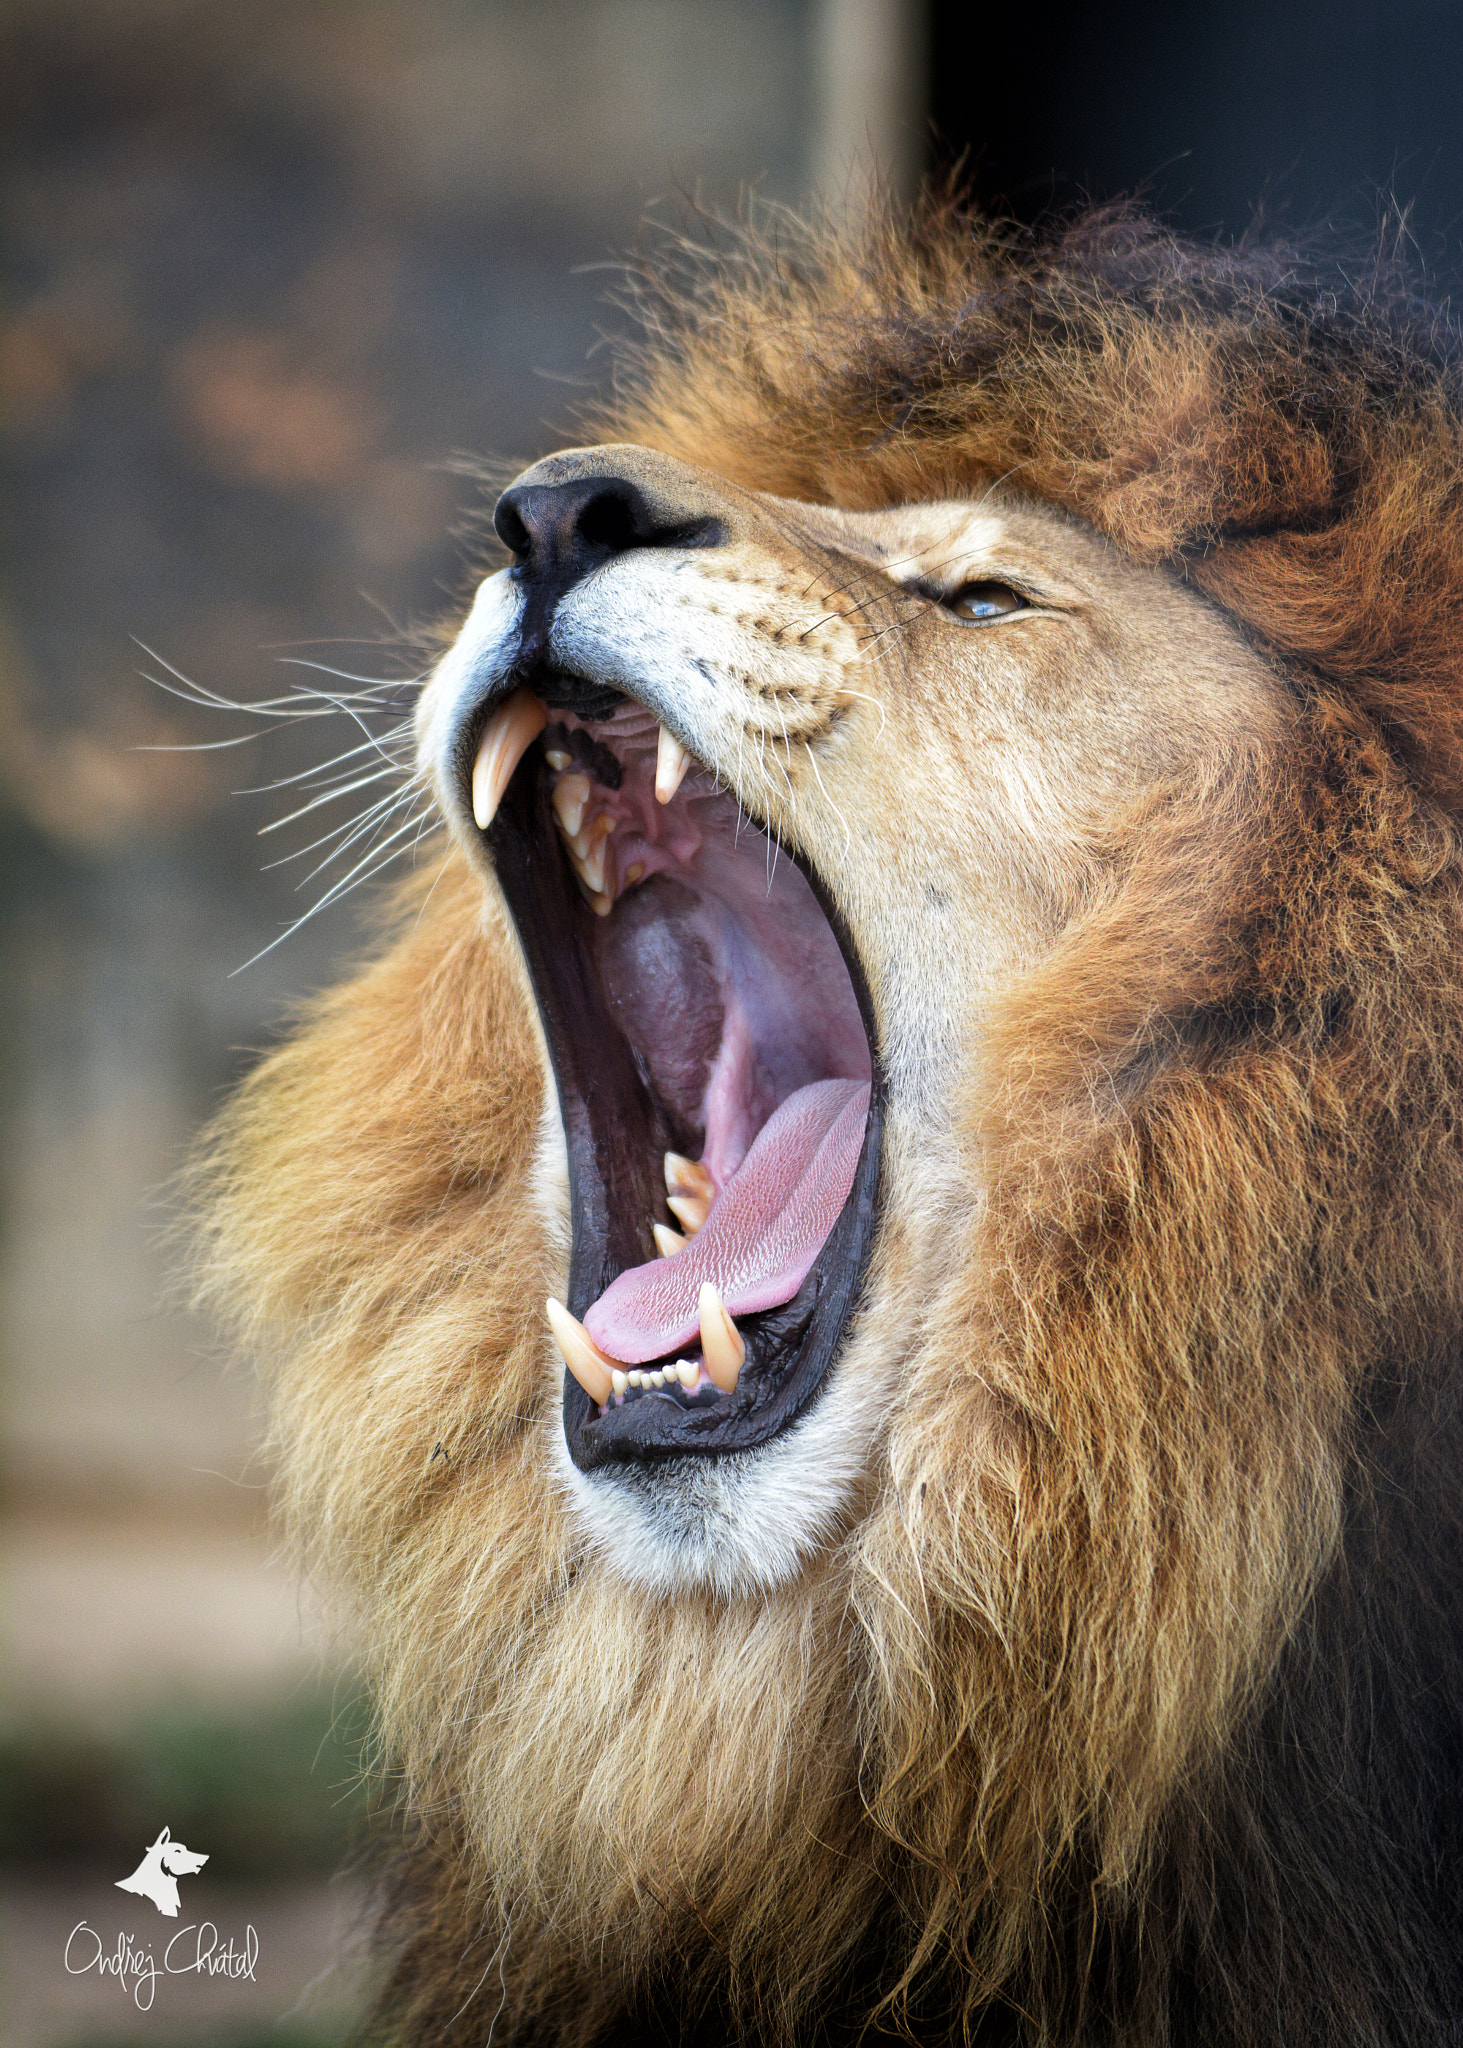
346, 832
331, 796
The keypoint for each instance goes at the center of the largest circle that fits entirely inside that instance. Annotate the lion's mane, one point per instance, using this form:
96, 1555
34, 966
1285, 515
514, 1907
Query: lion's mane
1130, 1706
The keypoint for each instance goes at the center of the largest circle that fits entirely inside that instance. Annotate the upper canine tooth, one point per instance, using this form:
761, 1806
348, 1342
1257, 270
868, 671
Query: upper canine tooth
507, 736
589, 1365
722, 1345
685, 1176
571, 794
671, 763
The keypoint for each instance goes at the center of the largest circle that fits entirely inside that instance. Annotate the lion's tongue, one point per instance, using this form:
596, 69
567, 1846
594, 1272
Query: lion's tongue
764, 1231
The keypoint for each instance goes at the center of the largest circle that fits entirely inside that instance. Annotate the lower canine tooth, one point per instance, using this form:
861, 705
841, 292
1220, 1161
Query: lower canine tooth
722, 1345
589, 1365
690, 1211
507, 736
671, 763
667, 1241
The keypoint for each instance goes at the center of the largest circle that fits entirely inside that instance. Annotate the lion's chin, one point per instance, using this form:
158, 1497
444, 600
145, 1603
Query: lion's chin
720, 1096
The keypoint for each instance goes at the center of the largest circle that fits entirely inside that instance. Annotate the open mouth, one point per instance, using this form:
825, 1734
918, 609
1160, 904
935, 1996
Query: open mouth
712, 1045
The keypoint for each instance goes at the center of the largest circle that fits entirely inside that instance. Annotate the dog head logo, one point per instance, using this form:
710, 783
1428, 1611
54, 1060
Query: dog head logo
156, 1876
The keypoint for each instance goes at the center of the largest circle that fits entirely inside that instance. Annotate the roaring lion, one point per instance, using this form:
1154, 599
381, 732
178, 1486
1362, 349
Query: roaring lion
866, 1298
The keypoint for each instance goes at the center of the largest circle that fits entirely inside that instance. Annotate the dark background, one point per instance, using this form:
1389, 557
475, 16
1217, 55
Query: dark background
267, 271
1297, 115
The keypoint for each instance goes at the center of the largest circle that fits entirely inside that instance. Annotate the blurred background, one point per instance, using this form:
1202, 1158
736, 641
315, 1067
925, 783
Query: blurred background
270, 272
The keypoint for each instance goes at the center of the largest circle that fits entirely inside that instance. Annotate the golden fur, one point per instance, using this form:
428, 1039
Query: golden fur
1125, 1703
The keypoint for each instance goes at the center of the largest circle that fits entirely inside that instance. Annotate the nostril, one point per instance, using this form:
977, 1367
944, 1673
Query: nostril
610, 521
510, 528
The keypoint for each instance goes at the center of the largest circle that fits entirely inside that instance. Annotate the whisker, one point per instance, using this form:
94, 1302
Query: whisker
322, 768
371, 834
392, 824
243, 739
345, 832
374, 684
364, 871
331, 796
864, 698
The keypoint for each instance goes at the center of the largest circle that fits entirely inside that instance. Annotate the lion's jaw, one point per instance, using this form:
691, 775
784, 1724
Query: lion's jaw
952, 786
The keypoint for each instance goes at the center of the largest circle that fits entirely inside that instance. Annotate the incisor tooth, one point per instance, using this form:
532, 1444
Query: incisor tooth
687, 1372
685, 1176
556, 757
722, 1345
619, 1380
571, 794
690, 1211
582, 1355
667, 1241
671, 763
510, 731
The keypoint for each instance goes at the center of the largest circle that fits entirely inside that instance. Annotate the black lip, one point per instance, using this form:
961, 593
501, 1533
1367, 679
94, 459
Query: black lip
616, 1134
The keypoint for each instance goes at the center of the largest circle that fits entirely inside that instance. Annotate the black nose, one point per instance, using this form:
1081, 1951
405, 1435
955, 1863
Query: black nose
559, 532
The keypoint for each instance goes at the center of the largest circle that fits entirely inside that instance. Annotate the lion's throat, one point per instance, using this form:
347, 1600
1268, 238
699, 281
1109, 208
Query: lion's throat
764, 1229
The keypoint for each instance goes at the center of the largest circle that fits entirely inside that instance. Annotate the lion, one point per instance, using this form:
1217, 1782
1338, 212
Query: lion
864, 1298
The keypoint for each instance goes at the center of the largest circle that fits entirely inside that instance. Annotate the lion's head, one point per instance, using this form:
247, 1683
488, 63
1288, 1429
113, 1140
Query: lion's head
947, 970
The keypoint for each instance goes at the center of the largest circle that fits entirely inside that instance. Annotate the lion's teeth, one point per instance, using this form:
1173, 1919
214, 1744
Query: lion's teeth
690, 1211
589, 1365
571, 794
619, 1380
687, 1372
722, 1344
507, 736
671, 763
557, 758
667, 1241
685, 1176
595, 842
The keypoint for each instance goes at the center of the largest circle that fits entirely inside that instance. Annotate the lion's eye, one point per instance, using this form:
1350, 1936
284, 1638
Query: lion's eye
984, 601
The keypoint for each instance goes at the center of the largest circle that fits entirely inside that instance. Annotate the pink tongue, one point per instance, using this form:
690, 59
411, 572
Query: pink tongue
764, 1231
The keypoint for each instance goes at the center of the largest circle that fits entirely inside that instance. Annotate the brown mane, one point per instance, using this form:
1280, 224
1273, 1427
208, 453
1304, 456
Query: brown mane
1132, 1707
